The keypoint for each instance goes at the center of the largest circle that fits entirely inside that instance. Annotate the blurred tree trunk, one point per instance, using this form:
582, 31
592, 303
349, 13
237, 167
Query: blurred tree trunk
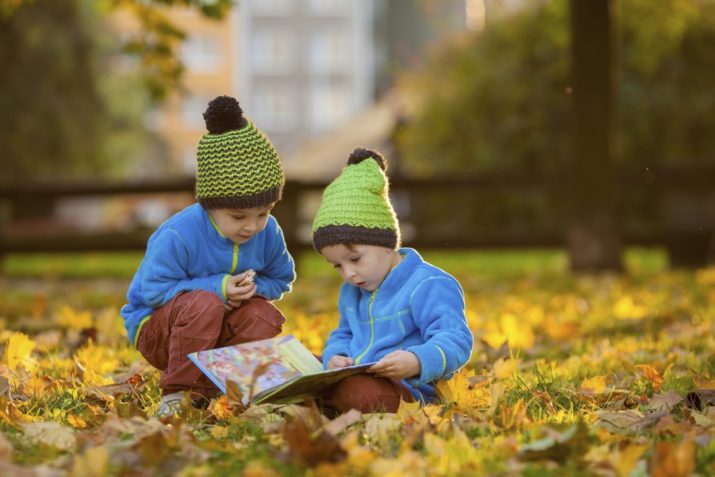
593, 237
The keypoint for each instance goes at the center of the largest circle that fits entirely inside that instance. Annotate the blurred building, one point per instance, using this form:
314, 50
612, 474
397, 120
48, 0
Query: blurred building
301, 69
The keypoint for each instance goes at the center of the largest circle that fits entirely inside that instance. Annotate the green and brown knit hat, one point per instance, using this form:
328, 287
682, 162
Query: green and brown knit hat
238, 167
356, 208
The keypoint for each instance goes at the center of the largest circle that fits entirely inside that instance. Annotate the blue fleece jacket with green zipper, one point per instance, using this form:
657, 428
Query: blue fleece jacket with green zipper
188, 252
417, 307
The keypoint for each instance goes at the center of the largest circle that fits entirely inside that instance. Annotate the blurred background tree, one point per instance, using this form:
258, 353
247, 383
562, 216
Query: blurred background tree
500, 103
72, 104
500, 98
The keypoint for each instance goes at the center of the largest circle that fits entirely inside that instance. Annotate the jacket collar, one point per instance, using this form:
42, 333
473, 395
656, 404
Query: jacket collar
211, 229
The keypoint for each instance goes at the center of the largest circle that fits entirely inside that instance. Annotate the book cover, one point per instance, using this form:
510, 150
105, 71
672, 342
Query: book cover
275, 370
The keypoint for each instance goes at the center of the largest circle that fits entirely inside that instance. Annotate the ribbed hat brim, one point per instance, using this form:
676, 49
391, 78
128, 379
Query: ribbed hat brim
354, 235
251, 201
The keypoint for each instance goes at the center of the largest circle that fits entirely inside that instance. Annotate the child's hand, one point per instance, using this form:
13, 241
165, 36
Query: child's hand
397, 365
338, 361
240, 288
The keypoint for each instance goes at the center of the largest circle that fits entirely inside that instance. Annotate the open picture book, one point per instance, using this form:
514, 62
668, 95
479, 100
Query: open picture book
277, 370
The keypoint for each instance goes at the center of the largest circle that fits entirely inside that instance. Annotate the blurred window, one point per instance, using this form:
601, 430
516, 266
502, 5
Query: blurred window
329, 106
330, 7
192, 111
275, 108
272, 7
152, 119
201, 53
188, 160
273, 50
329, 50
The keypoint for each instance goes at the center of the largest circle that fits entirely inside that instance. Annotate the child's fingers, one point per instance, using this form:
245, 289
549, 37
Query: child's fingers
243, 292
378, 367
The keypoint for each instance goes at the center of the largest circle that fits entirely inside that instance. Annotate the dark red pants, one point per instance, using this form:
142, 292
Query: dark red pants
366, 394
197, 321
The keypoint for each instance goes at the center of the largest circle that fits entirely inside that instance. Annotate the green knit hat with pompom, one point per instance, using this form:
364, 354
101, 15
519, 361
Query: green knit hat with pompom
238, 167
356, 208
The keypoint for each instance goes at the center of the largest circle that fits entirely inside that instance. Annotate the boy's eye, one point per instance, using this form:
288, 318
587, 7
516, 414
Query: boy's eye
336, 266
355, 259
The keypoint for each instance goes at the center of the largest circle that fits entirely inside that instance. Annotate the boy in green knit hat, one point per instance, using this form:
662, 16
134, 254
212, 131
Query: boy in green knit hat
210, 270
396, 310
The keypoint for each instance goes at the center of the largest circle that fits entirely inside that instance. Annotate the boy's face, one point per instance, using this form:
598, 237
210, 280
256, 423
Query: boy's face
364, 266
240, 225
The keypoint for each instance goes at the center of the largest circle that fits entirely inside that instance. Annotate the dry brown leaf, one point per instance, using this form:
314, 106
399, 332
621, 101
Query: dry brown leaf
667, 424
674, 459
154, 449
342, 422
8, 468
619, 420
308, 448
699, 399
52, 434
665, 402
109, 391
5, 448
233, 392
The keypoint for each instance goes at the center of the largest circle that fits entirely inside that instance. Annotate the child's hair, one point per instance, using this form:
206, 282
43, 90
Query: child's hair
356, 208
238, 167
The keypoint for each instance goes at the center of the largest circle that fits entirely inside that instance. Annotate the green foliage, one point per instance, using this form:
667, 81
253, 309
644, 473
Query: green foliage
51, 105
500, 99
68, 109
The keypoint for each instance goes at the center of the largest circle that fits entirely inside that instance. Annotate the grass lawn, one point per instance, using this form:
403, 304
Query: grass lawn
486, 263
571, 375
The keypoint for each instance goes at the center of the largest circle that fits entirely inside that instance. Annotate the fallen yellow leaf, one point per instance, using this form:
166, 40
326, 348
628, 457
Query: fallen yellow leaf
627, 458
68, 317
92, 463
594, 385
18, 352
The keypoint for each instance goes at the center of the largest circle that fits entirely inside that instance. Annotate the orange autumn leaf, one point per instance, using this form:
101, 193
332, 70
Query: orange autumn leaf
223, 407
652, 375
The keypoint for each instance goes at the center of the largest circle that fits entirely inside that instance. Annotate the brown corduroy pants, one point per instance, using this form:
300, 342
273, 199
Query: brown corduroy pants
197, 321
369, 394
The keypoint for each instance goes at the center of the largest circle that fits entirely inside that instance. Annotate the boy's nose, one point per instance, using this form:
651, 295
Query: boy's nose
251, 227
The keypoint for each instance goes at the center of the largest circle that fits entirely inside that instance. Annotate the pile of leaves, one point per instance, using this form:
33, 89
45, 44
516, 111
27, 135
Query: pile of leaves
592, 375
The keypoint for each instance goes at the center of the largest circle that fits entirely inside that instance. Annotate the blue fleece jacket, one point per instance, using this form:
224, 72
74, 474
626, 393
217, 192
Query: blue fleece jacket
419, 308
188, 252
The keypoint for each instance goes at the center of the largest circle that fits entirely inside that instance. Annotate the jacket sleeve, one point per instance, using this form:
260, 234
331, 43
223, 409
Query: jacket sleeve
165, 275
437, 306
278, 275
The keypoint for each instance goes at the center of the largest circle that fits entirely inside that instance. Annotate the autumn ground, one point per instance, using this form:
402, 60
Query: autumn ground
602, 375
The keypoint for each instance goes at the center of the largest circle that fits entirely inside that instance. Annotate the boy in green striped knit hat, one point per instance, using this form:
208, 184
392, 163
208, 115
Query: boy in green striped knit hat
210, 270
396, 310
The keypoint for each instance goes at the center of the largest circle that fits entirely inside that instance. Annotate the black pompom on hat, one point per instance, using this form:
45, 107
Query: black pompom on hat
238, 167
